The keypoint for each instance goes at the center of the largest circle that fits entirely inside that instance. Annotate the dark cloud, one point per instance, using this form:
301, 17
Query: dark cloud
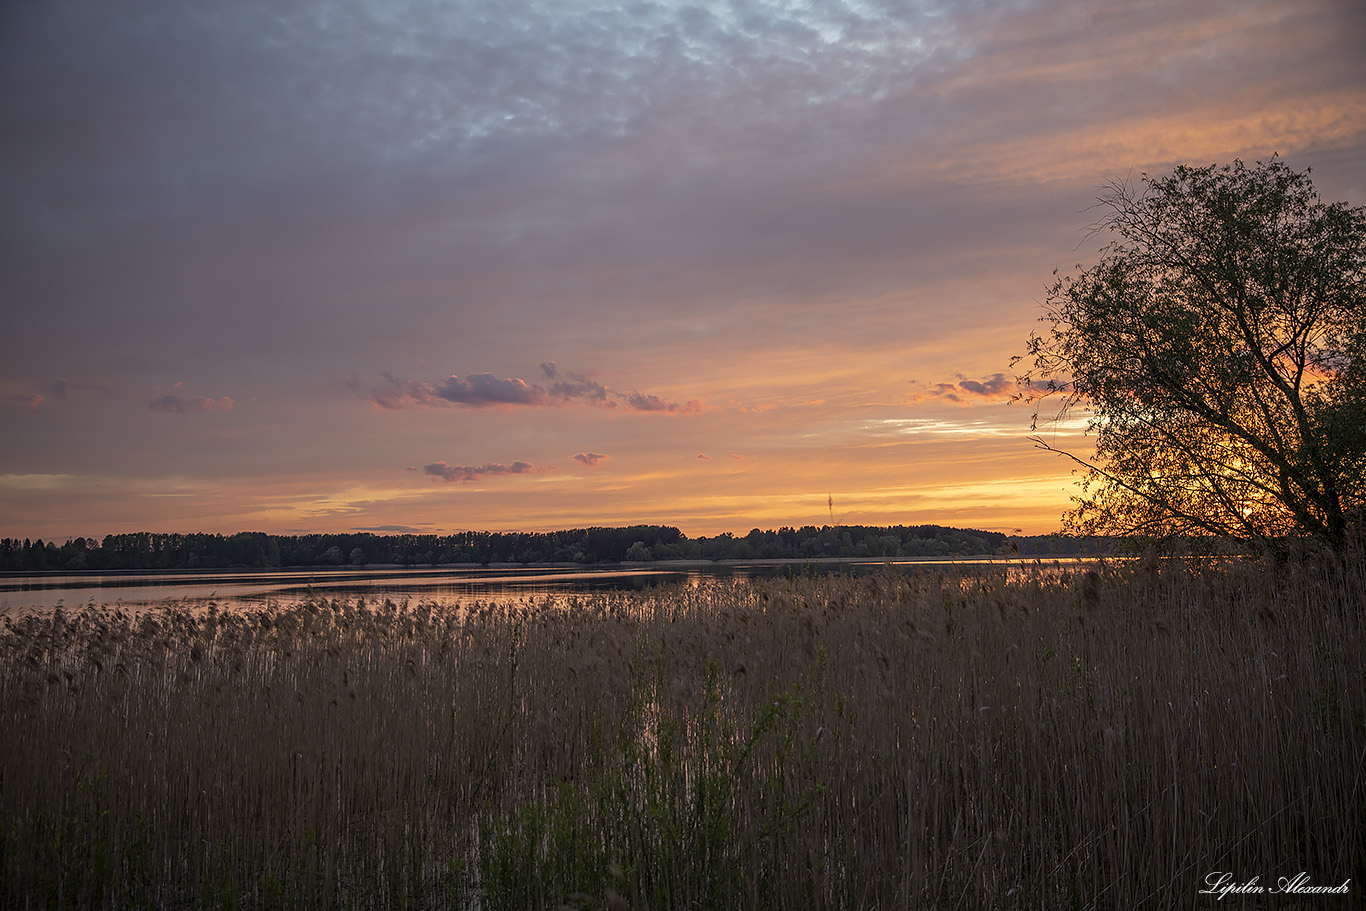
995, 389
484, 389
479, 390
994, 385
565, 387
174, 404
62, 388
467, 473
590, 458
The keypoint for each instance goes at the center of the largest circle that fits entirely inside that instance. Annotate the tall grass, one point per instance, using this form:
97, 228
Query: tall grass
1035, 738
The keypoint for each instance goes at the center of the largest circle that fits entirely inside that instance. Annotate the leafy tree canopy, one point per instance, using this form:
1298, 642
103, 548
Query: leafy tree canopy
1218, 348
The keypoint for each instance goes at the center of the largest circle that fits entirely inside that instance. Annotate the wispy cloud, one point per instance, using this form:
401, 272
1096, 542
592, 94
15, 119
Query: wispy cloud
55, 391
466, 473
30, 400
640, 402
482, 390
396, 529
590, 458
969, 429
61, 388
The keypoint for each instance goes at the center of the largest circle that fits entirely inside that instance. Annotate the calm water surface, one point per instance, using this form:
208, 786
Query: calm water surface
41, 592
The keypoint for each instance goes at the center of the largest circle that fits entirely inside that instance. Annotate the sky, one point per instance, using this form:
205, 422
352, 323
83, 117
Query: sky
419, 266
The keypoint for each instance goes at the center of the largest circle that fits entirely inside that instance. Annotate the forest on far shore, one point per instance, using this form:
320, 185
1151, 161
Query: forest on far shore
148, 550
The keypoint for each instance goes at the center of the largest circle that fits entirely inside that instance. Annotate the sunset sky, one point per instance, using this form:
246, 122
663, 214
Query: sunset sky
435, 266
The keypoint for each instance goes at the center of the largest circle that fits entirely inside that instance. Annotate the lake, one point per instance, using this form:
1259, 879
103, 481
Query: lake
133, 589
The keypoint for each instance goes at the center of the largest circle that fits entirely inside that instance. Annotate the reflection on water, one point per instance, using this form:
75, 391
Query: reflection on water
26, 593
37, 592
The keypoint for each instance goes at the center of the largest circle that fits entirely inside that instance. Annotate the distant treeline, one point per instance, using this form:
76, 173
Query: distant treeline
146, 550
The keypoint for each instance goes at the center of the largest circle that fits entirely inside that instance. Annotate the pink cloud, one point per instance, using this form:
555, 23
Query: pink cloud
590, 458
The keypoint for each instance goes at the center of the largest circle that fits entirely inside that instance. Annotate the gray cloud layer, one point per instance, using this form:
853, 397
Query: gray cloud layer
360, 177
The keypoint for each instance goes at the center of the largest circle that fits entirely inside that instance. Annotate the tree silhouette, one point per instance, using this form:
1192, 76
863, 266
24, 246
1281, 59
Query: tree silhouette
1218, 350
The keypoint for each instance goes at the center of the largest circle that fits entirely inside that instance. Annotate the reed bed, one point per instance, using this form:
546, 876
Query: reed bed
1038, 738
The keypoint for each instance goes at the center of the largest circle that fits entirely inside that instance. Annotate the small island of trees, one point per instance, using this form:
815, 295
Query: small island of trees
166, 551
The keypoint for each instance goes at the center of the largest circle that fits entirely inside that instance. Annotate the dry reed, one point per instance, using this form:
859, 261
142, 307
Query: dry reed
1033, 738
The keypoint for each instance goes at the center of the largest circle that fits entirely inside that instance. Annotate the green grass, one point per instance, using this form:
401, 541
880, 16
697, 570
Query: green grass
958, 739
